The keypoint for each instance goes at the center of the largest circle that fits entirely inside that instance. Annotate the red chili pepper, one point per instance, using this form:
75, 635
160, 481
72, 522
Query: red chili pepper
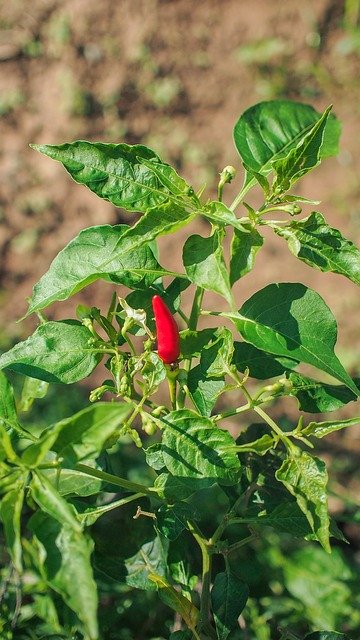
167, 332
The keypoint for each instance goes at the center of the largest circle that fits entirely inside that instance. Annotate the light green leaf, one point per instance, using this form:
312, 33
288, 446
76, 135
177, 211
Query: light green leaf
73, 482
290, 320
55, 352
244, 246
321, 429
305, 477
261, 365
176, 601
51, 502
260, 446
194, 447
216, 357
219, 214
175, 489
301, 159
150, 559
10, 513
7, 402
84, 434
96, 253
36, 452
269, 130
130, 176
318, 397
204, 391
319, 245
68, 568
322, 583
228, 598
204, 264
32, 389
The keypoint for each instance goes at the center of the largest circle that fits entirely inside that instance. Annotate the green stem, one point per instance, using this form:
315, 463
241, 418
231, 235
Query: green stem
246, 187
240, 543
283, 437
232, 412
109, 507
192, 324
206, 555
120, 482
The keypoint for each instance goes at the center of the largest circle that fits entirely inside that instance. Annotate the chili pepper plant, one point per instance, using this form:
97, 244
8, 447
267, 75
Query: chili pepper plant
188, 389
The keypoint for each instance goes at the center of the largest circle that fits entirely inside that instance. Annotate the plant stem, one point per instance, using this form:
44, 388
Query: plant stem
283, 437
109, 507
245, 188
120, 482
206, 555
232, 412
193, 320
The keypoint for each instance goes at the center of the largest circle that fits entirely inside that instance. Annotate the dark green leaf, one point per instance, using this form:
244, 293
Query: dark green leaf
130, 176
269, 130
228, 598
288, 319
68, 568
55, 352
244, 246
10, 513
305, 477
326, 635
154, 456
204, 391
51, 502
261, 365
172, 519
194, 447
321, 429
204, 264
301, 159
175, 489
96, 253
318, 397
84, 434
321, 246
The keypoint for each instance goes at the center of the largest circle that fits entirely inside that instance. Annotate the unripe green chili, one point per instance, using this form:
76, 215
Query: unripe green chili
167, 332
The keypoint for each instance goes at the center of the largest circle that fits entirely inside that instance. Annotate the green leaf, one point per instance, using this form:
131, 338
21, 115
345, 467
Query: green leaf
269, 130
32, 389
96, 253
68, 568
176, 601
55, 352
219, 214
194, 447
73, 482
260, 446
301, 159
172, 519
290, 320
204, 264
204, 391
305, 477
193, 342
244, 246
51, 502
130, 176
7, 401
228, 598
36, 452
321, 429
313, 241
175, 489
326, 635
322, 584
84, 434
318, 397
10, 513
151, 558
216, 357
261, 365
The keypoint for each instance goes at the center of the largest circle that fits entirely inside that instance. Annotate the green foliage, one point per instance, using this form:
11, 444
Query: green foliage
126, 509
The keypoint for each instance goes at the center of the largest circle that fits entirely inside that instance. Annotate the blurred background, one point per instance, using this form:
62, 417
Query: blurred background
174, 75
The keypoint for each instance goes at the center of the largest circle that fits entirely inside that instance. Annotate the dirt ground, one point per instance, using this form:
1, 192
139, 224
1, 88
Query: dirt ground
174, 75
